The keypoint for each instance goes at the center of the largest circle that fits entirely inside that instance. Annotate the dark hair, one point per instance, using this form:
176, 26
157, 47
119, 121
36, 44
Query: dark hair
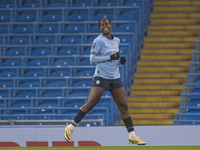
105, 19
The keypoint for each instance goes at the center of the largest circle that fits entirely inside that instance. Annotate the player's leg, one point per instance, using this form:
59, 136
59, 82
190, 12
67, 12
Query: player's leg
94, 97
119, 97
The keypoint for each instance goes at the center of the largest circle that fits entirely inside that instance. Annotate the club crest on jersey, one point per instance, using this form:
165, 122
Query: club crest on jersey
112, 44
97, 82
93, 45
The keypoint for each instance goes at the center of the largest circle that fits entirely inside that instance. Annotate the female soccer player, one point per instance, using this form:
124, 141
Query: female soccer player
105, 53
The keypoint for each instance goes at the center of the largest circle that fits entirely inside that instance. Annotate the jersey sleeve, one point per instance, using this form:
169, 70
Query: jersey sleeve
96, 47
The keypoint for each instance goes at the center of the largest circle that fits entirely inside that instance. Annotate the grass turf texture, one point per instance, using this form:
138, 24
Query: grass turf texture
107, 148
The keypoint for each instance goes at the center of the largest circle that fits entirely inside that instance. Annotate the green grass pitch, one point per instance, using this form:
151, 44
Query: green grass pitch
107, 148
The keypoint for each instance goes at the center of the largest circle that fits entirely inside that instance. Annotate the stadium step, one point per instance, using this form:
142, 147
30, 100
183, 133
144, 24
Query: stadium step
164, 51
154, 87
154, 99
175, 15
160, 75
164, 69
160, 81
150, 121
166, 33
157, 93
165, 57
170, 45
163, 63
170, 9
158, 110
176, 28
175, 21
153, 104
177, 3
153, 116
171, 39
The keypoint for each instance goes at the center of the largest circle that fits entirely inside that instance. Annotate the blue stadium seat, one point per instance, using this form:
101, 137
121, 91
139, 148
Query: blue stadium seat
19, 40
5, 83
126, 28
3, 29
59, 73
82, 3
79, 93
85, 72
29, 83
48, 103
86, 51
4, 93
25, 94
51, 15
67, 51
84, 62
126, 39
90, 39
7, 74
14, 52
45, 40
11, 62
41, 52
31, 3
57, 3
105, 3
26, 16
34, 73
102, 14
21, 103
2, 104
23, 29
2, 41
106, 93
95, 28
48, 28
82, 82
52, 93
37, 62
71, 40
64, 62
5, 16
74, 104
7, 4
74, 29
130, 15
56, 83
78, 15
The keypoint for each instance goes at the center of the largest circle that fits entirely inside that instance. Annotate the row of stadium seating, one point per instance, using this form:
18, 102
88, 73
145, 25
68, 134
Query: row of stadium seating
190, 98
45, 71
85, 14
72, 3
54, 50
146, 5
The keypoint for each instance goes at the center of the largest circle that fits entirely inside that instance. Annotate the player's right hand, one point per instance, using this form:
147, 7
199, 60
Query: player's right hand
115, 56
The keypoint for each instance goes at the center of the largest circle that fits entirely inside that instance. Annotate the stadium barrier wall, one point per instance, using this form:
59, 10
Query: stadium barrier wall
30, 136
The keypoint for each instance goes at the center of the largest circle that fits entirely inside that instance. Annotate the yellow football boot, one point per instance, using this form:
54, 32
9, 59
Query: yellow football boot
68, 134
136, 140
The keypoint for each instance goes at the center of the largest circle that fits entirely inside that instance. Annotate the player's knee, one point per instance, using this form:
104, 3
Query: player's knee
123, 107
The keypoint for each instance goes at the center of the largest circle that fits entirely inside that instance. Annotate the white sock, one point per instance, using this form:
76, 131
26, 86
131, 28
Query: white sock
131, 134
71, 127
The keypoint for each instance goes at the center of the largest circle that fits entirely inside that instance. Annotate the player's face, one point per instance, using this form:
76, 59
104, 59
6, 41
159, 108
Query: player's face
105, 26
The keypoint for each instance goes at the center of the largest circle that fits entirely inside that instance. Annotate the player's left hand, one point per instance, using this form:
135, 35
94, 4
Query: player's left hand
123, 60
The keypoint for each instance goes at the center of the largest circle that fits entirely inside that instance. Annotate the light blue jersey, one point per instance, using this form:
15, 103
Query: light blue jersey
104, 47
